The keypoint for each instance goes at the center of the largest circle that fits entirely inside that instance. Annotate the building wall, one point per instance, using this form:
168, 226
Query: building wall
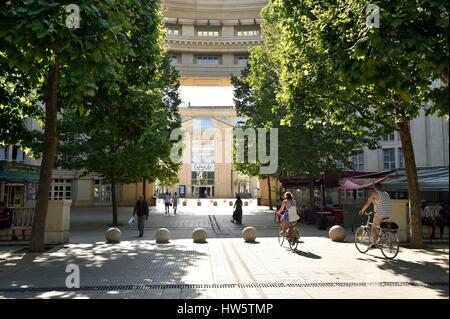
430, 141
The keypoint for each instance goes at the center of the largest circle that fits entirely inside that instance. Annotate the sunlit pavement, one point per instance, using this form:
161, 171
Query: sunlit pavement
224, 267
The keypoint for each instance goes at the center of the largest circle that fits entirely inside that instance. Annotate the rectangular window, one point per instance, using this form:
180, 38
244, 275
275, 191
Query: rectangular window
248, 33
208, 32
389, 137
207, 60
349, 194
102, 191
401, 158
4, 153
360, 193
15, 152
242, 60
173, 59
173, 30
203, 178
358, 162
60, 189
203, 151
389, 158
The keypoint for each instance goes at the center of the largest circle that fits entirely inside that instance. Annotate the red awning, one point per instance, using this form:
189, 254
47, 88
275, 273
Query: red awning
351, 185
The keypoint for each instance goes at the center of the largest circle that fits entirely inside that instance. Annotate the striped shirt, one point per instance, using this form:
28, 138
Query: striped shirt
383, 206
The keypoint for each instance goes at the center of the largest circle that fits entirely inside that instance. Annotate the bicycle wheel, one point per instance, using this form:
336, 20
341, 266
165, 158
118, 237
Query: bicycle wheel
295, 238
389, 244
362, 239
280, 238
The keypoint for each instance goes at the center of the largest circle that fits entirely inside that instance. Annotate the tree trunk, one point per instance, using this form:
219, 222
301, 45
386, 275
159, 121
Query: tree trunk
413, 186
312, 204
37, 242
114, 201
270, 193
144, 189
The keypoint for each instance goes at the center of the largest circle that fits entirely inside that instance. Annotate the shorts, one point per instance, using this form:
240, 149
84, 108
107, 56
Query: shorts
167, 204
286, 217
377, 219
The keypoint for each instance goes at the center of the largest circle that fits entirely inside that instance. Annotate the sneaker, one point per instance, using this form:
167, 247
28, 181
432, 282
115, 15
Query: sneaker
233, 221
372, 246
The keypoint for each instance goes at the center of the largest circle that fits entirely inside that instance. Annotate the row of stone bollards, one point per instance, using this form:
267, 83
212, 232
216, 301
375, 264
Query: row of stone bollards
199, 235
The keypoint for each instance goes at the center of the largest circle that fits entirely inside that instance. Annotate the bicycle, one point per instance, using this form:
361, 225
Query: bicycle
292, 235
387, 238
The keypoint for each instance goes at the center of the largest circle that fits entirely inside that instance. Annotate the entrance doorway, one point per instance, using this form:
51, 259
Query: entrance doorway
203, 191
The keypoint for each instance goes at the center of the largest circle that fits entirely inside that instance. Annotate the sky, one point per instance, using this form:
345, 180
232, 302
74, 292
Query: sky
206, 96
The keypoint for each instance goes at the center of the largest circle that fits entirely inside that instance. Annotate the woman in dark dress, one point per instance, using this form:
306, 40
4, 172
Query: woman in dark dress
237, 213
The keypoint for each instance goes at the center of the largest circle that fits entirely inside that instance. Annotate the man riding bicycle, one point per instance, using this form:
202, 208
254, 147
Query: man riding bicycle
383, 210
288, 212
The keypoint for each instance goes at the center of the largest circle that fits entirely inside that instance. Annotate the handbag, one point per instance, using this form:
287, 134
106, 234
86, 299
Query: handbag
131, 221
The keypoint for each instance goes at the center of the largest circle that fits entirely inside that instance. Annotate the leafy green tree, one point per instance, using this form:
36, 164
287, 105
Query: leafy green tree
335, 66
307, 148
124, 138
43, 58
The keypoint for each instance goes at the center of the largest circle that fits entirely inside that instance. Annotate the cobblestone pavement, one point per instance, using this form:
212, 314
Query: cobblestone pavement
224, 267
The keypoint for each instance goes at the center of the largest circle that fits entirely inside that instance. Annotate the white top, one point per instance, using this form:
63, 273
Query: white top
291, 206
383, 206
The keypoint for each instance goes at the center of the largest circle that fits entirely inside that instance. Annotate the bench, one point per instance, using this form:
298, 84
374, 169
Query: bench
20, 229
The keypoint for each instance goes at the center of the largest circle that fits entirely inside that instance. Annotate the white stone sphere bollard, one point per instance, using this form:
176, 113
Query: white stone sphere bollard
337, 233
162, 236
199, 235
249, 234
113, 235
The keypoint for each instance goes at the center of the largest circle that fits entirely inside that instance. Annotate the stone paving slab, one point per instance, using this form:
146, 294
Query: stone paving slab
225, 267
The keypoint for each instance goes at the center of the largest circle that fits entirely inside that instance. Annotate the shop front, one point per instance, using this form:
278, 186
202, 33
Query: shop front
18, 184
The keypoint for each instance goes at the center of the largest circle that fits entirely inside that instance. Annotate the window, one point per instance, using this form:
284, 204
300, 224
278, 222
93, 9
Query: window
208, 32
248, 33
349, 194
173, 59
203, 178
102, 191
360, 193
389, 158
401, 158
4, 153
358, 162
173, 30
208, 59
242, 60
60, 189
203, 151
389, 137
339, 164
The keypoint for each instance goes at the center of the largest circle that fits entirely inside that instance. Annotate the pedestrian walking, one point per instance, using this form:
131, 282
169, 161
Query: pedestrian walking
141, 210
167, 202
237, 213
175, 200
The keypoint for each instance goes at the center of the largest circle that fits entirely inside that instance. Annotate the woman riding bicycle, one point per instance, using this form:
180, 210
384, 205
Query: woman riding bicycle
288, 211
383, 210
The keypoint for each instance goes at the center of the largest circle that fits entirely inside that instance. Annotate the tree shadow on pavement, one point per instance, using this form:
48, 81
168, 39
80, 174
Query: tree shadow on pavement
105, 268
431, 271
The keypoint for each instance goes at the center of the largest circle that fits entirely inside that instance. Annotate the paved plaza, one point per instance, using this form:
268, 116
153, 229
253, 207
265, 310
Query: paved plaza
224, 267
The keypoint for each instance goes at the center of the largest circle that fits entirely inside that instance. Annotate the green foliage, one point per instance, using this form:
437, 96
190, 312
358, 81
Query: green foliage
33, 35
125, 136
